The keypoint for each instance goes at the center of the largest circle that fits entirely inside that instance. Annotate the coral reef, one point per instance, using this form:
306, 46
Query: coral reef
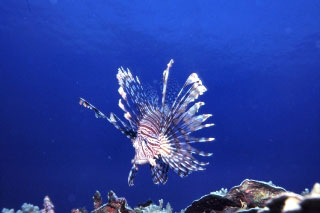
114, 204
253, 196
250, 196
48, 206
210, 202
26, 207
294, 203
252, 193
97, 200
153, 208
29, 208
80, 210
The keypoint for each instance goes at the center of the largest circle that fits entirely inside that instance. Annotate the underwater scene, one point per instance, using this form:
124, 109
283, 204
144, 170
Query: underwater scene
159, 106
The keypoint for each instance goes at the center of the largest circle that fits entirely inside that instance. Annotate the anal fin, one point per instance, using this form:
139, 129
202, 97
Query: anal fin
159, 172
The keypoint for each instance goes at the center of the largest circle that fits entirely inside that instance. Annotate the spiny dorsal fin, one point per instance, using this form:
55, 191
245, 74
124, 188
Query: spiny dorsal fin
165, 82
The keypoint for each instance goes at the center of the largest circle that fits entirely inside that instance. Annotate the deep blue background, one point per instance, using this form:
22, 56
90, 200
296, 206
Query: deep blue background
260, 61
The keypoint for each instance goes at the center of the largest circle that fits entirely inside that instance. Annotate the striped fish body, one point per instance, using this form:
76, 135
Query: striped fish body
150, 143
160, 133
146, 144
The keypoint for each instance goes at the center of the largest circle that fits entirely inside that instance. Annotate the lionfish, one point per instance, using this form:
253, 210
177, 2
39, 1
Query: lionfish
159, 131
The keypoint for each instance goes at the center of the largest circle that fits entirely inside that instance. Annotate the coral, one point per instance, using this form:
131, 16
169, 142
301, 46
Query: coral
253, 196
295, 203
145, 204
48, 206
97, 200
29, 208
114, 204
152, 208
7, 210
249, 194
25, 208
210, 202
252, 193
222, 192
80, 210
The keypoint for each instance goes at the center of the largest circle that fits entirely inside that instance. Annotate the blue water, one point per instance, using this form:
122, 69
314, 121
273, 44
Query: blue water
260, 61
